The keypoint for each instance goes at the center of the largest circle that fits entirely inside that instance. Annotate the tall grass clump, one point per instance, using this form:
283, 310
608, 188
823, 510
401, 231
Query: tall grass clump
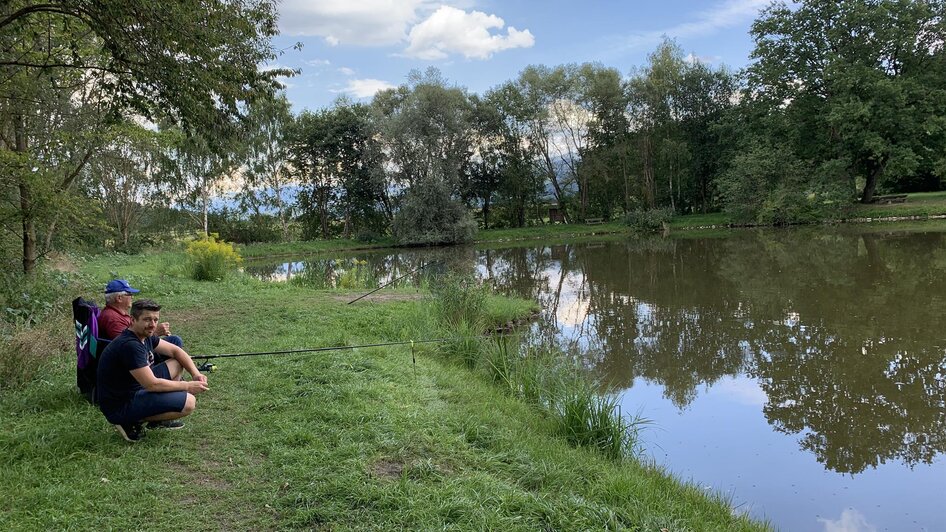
460, 301
460, 309
580, 412
584, 417
211, 259
25, 349
541, 377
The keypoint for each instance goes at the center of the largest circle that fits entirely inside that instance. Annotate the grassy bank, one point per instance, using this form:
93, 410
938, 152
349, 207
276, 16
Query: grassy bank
357, 439
917, 206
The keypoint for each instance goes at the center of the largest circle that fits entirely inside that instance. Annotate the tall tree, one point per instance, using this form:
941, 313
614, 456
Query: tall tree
267, 176
194, 63
861, 84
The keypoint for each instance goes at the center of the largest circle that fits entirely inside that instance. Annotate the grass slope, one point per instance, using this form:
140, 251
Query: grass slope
358, 439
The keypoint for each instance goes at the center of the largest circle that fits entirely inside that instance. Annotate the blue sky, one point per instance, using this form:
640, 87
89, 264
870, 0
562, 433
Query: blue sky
355, 47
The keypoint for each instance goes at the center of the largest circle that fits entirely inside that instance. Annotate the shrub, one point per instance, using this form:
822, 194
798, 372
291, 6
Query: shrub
212, 259
429, 216
647, 221
29, 298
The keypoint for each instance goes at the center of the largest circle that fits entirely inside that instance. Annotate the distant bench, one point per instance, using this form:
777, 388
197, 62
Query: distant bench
890, 198
594, 221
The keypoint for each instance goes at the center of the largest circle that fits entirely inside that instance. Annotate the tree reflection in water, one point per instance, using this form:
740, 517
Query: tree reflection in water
843, 329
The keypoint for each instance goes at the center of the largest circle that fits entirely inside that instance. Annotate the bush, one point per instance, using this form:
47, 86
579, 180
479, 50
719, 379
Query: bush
30, 298
429, 216
648, 221
212, 259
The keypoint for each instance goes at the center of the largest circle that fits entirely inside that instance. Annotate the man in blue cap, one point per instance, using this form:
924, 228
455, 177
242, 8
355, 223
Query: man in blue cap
114, 318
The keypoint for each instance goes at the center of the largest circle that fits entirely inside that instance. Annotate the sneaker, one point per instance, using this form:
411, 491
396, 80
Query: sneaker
169, 424
131, 431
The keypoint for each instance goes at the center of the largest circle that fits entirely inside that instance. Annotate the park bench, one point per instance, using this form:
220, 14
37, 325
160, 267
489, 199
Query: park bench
594, 221
890, 198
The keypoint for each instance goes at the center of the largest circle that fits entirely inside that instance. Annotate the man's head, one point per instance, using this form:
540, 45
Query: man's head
118, 294
145, 314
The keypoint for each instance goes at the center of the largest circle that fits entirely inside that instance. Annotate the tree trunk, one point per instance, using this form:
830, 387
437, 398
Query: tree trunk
871, 185
26, 202
647, 171
559, 195
205, 199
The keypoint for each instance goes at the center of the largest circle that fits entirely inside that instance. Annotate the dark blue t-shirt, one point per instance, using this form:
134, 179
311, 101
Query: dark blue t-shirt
115, 385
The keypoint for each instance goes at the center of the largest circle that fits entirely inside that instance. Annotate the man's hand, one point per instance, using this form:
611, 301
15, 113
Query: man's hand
195, 387
163, 329
199, 377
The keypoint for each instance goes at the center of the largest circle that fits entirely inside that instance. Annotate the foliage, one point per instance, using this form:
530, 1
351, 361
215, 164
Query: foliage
212, 259
338, 159
235, 227
75, 69
872, 107
649, 220
769, 185
429, 215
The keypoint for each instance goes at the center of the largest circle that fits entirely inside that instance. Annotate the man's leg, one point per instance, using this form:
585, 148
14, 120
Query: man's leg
189, 405
169, 369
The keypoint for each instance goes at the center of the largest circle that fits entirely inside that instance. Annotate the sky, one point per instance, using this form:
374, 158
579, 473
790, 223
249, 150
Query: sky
353, 48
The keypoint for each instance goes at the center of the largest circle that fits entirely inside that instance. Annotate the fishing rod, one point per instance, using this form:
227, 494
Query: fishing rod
394, 280
207, 366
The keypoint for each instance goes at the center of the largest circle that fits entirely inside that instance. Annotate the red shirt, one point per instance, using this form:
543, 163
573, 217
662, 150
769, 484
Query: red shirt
112, 323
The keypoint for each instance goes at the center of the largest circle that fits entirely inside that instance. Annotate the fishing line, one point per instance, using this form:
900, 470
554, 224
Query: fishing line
394, 280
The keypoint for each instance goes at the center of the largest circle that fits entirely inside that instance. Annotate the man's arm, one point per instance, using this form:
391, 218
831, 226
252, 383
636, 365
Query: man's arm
150, 382
170, 350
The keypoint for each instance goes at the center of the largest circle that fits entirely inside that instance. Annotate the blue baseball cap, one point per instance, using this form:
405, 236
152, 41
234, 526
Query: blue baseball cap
120, 285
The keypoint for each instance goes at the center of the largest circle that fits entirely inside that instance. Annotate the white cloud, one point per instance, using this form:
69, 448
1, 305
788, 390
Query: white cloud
726, 15
366, 88
451, 30
317, 62
361, 22
347, 71
851, 521
702, 59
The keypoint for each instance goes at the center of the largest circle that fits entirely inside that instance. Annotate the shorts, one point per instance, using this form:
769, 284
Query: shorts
145, 404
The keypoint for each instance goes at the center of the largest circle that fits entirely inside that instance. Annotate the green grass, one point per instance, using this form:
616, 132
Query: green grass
920, 204
356, 439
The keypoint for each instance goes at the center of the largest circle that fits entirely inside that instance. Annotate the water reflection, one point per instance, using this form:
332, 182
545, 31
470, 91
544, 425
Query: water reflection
842, 331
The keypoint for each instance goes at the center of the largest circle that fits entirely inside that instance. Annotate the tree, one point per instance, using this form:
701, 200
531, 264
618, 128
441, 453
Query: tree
122, 177
861, 84
338, 158
201, 165
266, 173
194, 63
674, 104
428, 134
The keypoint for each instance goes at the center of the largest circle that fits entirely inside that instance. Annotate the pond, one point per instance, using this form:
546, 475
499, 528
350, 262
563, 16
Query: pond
800, 373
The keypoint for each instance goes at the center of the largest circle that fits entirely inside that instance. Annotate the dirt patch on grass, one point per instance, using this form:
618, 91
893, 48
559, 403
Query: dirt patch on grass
387, 469
381, 298
61, 262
